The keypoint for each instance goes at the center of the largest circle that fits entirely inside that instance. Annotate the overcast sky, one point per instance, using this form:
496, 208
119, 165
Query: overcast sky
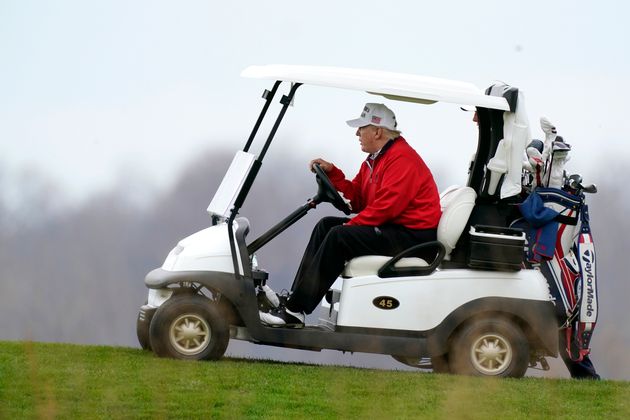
94, 93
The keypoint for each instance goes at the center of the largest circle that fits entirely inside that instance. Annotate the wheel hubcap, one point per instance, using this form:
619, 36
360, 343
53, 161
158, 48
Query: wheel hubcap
190, 334
491, 354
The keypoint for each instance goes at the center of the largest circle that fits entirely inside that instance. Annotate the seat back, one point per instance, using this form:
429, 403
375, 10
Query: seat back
457, 204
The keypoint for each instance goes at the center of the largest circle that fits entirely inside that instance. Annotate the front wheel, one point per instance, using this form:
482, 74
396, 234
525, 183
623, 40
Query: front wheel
142, 325
189, 327
490, 347
142, 331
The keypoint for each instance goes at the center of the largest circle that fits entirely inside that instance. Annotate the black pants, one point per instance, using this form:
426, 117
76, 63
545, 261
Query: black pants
332, 244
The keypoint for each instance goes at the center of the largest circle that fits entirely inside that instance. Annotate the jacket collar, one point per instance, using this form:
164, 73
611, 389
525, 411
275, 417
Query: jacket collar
384, 149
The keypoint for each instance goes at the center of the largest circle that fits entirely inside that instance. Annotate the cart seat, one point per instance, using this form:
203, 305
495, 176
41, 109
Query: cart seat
369, 265
456, 203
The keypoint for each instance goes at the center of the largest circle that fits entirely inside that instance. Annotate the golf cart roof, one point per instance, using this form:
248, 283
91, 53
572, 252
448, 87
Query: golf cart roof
395, 86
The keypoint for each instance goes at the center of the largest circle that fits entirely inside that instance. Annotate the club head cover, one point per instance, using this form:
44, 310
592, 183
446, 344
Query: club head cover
536, 144
547, 126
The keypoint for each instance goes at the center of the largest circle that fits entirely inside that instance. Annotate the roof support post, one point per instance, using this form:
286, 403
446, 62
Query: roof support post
268, 96
285, 101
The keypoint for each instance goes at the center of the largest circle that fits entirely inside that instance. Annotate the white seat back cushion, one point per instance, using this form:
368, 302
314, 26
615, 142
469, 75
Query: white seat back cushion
457, 204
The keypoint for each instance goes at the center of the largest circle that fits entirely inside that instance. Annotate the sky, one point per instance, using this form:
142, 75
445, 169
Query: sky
103, 93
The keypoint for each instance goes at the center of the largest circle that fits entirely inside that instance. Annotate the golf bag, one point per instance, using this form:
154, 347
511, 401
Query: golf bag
560, 241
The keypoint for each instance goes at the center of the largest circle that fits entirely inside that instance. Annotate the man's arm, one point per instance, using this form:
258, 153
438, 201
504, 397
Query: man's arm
351, 190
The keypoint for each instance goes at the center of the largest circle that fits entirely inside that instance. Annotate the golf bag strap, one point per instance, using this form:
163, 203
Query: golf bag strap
567, 220
585, 219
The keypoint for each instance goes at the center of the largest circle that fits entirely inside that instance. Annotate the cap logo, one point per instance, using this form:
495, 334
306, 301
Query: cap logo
376, 120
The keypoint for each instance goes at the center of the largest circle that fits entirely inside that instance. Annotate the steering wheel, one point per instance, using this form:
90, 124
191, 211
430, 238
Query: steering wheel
327, 191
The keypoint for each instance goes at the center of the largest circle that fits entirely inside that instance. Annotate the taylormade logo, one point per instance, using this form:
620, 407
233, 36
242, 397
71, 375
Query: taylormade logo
587, 258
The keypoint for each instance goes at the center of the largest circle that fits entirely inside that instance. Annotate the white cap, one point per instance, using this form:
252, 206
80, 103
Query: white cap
377, 115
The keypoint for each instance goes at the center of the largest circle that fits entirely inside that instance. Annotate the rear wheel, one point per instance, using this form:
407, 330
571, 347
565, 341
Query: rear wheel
189, 327
440, 364
490, 347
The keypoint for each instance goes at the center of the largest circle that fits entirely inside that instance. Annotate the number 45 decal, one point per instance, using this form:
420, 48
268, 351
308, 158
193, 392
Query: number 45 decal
386, 302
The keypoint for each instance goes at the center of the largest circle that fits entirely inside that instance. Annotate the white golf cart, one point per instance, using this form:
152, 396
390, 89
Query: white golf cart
476, 309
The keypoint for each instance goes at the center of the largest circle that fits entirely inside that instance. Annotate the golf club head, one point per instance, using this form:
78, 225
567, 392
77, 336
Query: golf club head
574, 181
590, 188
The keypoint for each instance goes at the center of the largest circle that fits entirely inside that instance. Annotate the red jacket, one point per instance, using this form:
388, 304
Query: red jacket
398, 189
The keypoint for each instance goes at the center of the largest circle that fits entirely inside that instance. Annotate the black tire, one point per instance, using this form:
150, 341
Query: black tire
142, 326
490, 347
189, 327
142, 331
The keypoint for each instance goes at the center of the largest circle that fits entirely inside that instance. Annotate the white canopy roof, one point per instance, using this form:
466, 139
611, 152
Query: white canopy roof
396, 86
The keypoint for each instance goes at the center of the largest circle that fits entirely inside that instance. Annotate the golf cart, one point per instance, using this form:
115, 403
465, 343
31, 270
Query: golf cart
475, 309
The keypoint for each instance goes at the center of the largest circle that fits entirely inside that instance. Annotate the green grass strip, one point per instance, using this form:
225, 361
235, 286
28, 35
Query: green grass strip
94, 382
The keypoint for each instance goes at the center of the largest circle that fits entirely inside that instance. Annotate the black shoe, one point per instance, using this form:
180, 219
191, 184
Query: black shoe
282, 318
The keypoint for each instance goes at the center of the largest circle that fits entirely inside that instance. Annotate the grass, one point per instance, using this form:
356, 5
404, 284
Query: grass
69, 381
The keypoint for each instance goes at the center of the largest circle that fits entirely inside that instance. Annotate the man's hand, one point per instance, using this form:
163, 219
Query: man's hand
326, 166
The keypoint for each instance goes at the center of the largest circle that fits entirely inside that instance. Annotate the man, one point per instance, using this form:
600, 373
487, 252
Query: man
397, 205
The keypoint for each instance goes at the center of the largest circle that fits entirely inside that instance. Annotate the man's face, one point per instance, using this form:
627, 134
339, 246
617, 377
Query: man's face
368, 137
